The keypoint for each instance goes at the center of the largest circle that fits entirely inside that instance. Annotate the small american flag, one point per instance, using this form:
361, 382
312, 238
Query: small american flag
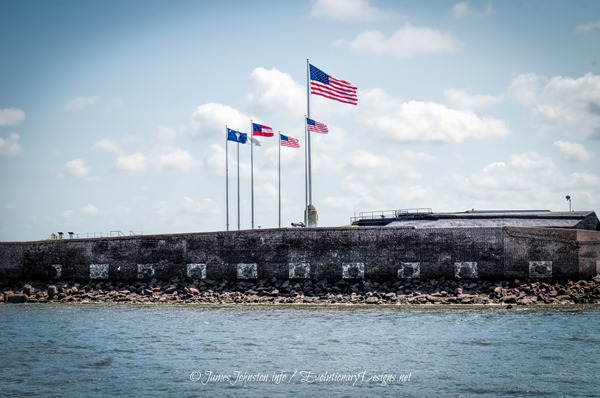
329, 87
316, 127
289, 141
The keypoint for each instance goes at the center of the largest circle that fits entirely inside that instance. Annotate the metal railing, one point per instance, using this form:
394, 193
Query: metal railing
91, 235
387, 214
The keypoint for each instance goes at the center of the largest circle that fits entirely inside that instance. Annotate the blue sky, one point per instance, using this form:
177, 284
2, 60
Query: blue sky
113, 113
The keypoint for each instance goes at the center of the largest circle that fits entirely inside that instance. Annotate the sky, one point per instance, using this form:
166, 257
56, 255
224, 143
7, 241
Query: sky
113, 113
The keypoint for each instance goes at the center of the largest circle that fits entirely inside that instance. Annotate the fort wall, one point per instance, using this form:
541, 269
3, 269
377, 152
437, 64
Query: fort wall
375, 253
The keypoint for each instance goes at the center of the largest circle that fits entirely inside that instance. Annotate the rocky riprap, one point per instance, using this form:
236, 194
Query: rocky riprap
278, 291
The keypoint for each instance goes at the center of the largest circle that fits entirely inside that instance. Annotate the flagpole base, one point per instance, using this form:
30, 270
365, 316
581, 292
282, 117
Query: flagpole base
313, 216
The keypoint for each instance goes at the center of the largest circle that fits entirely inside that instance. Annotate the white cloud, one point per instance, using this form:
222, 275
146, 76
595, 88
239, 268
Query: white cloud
133, 162
214, 160
524, 181
585, 179
169, 133
463, 100
382, 179
530, 161
274, 91
113, 103
525, 88
368, 160
572, 151
463, 9
83, 102
11, 116
177, 159
360, 195
376, 168
426, 121
170, 159
210, 120
10, 146
90, 210
571, 106
588, 28
79, 103
77, 168
345, 10
107, 145
155, 156
203, 206
406, 42
494, 166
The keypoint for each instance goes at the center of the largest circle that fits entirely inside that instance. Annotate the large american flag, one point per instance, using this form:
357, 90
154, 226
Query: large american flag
289, 141
316, 127
329, 87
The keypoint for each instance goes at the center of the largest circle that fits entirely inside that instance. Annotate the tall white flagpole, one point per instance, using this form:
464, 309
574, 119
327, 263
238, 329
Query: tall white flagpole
305, 173
252, 170
238, 185
279, 132
308, 139
227, 177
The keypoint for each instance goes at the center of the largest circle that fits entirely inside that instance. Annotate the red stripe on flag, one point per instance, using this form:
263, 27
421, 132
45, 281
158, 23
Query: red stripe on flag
338, 95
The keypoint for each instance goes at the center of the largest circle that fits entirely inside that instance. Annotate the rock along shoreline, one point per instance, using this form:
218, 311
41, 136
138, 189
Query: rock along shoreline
277, 291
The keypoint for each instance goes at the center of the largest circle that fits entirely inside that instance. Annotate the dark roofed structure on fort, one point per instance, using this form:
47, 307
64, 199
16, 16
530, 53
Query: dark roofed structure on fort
425, 218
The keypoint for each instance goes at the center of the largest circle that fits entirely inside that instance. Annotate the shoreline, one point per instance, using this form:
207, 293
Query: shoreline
278, 292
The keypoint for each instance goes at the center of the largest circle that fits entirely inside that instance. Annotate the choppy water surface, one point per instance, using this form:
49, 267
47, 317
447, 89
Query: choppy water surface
191, 351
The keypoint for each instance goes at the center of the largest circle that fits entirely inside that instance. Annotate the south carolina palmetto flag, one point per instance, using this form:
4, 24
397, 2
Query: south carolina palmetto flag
236, 136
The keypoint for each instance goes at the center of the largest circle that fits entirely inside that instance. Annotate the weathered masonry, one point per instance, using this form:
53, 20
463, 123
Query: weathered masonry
376, 253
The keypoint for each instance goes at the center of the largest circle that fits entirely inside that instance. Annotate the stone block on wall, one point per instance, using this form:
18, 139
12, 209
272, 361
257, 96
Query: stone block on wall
540, 269
247, 271
99, 271
196, 271
299, 271
55, 272
353, 271
409, 271
465, 270
146, 271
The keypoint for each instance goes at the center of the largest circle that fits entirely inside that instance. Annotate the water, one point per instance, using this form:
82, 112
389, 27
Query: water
197, 351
